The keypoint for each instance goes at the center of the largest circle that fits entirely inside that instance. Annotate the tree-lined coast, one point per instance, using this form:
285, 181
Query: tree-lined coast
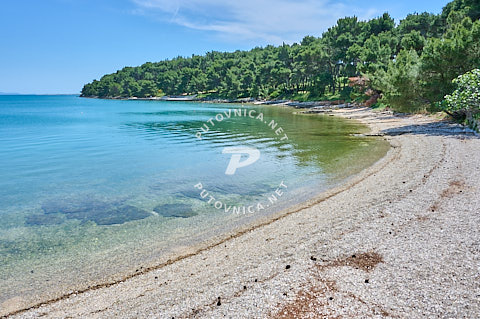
408, 66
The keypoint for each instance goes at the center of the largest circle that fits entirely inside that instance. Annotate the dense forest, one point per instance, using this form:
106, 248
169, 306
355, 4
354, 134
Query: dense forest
410, 65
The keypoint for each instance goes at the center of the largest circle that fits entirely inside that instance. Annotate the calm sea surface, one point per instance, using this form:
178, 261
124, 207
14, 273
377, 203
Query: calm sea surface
90, 190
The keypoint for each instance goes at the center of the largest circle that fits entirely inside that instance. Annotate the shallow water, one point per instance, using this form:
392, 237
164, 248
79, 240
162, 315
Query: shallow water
92, 189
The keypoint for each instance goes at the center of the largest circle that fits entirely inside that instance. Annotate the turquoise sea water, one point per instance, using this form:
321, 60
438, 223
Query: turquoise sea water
90, 190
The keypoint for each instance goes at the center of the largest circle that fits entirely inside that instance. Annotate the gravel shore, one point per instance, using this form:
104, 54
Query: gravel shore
399, 240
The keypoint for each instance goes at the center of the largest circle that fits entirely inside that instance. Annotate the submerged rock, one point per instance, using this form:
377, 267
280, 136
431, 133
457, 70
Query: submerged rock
75, 207
120, 215
175, 210
100, 212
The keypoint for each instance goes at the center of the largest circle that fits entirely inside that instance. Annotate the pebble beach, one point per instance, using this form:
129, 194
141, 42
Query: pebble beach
398, 240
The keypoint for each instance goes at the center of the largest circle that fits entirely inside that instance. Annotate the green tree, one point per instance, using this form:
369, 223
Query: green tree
376, 53
445, 59
399, 84
147, 88
413, 40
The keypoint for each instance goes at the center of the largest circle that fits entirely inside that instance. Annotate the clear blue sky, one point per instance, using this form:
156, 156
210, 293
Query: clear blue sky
56, 46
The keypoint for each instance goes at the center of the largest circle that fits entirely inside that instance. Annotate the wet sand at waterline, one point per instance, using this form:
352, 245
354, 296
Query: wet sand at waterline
398, 240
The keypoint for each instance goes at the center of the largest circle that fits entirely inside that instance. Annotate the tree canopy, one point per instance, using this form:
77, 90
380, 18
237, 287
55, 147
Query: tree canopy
411, 64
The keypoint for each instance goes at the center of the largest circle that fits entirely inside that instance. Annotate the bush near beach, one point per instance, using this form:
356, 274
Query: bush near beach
464, 102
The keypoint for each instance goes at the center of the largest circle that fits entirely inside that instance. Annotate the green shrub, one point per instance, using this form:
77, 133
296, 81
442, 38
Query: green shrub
464, 102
